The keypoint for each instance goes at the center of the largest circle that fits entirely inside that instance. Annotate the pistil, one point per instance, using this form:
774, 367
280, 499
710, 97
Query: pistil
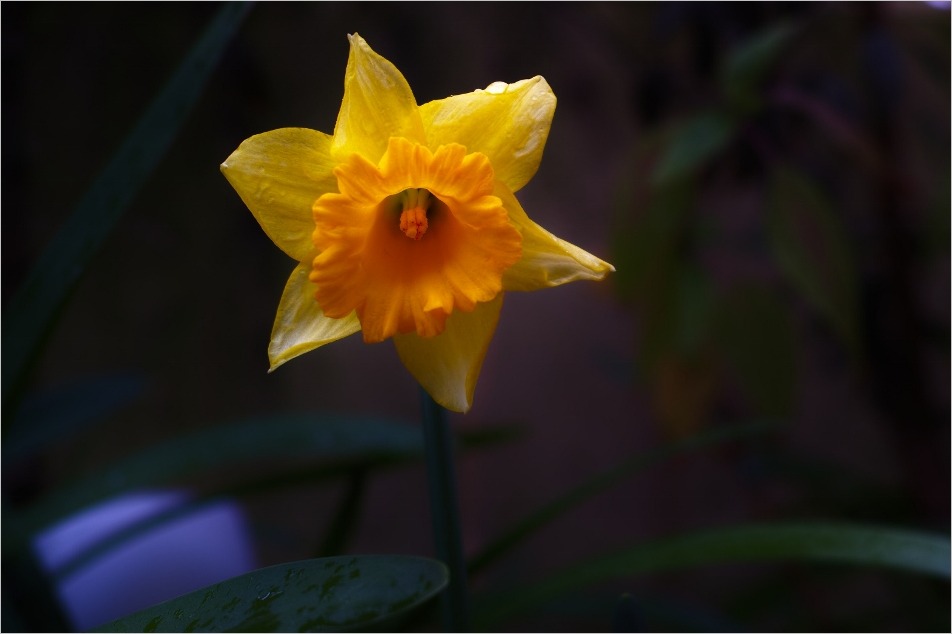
413, 222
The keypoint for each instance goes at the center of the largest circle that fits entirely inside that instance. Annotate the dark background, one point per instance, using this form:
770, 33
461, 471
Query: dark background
184, 291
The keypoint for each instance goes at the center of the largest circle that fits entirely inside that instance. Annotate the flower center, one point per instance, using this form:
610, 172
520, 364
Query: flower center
365, 263
413, 222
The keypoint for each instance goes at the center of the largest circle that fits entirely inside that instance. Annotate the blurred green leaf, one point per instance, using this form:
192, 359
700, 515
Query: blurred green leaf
828, 489
31, 313
481, 434
911, 551
748, 64
283, 439
904, 602
645, 612
285, 450
694, 142
755, 333
57, 414
938, 225
647, 248
649, 254
548, 513
317, 595
694, 312
810, 247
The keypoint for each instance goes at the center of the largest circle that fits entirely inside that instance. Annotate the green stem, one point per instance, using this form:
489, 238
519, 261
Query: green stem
444, 504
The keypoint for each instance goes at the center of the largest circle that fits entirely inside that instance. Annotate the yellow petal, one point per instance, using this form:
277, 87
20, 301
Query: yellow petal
448, 365
377, 105
509, 123
279, 175
300, 326
546, 259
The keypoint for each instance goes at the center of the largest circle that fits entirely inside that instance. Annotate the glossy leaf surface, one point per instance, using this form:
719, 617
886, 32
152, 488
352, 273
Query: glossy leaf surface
318, 595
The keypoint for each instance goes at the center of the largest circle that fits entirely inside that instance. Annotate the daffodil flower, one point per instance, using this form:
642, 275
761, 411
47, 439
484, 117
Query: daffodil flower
404, 221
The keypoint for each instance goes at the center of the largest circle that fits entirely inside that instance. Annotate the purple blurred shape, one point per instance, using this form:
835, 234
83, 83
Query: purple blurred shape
200, 547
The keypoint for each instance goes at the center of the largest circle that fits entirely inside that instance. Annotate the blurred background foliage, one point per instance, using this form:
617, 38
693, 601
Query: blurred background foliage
770, 180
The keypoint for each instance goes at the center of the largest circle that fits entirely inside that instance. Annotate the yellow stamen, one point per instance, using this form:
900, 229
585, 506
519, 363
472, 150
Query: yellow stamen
413, 221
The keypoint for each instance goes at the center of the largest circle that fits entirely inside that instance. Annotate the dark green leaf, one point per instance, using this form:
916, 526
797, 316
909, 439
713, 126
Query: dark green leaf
695, 142
755, 334
58, 413
282, 439
747, 65
485, 434
938, 225
912, 551
317, 595
32, 311
649, 256
694, 308
648, 249
810, 246
283, 449
548, 513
